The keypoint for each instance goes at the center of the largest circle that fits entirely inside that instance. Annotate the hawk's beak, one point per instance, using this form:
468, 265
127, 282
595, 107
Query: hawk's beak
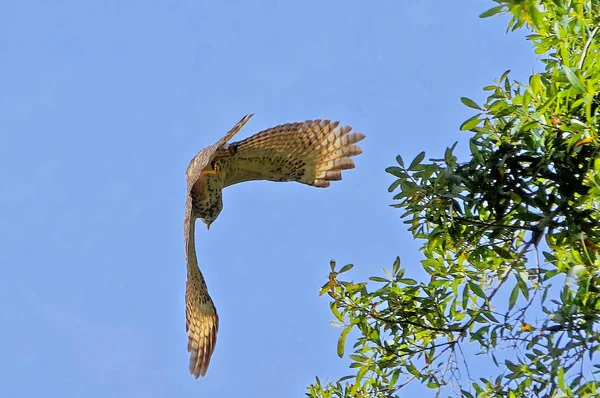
206, 223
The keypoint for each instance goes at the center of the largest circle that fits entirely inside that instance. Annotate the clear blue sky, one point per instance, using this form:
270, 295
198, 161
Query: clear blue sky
103, 104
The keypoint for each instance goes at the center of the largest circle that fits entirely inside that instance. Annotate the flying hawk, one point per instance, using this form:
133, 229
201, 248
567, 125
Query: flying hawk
313, 152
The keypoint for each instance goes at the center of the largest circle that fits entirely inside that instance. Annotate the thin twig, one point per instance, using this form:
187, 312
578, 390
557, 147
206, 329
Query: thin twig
504, 278
492, 225
587, 46
464, 361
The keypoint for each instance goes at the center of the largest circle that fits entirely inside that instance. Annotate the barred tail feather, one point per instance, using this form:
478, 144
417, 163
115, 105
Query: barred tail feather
334, 155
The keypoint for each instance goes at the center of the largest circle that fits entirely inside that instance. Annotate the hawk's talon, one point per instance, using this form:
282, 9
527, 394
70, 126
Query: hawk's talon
204, 172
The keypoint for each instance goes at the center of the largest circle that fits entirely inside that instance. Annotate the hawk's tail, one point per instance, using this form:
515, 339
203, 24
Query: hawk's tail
331, 149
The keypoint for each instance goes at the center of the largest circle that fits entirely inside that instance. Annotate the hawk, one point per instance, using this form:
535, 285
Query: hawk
313, 152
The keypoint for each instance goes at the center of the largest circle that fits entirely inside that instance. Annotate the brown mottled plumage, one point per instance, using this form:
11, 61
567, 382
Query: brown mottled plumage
313, 152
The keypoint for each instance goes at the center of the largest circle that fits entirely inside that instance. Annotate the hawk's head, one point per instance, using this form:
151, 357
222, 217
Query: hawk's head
209, 199
208, 221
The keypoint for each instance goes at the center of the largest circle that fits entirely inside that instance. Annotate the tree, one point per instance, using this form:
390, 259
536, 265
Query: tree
510, 239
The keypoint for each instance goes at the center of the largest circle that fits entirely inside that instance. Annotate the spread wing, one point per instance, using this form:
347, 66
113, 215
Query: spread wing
313, 152
202, 321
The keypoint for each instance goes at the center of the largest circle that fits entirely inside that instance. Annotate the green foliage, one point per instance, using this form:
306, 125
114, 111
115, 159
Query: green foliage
531, 185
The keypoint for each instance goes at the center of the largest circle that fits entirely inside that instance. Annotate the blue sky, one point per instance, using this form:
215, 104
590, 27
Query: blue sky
103, 104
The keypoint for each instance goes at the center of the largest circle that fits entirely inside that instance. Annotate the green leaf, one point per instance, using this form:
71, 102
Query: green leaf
361, 373
535, 82
410, 282
346, 268
573, 79
504, 76
324, 289
489, 316
561, 378
394, 185
470, 103
507, 87
523, 287
505, 254
448, 156
396, 266
513, 297
417, 160
378, 279
412, 370
342, 341
334, 310
527, 100
395, 376
491, 11
511, 366
470, 123
475, 288
465, 297
396, 171
357, 358
400, 161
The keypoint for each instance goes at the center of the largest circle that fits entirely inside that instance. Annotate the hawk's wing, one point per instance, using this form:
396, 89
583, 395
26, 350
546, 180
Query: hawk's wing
233, 131
313, 152
202, 321
204, 157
